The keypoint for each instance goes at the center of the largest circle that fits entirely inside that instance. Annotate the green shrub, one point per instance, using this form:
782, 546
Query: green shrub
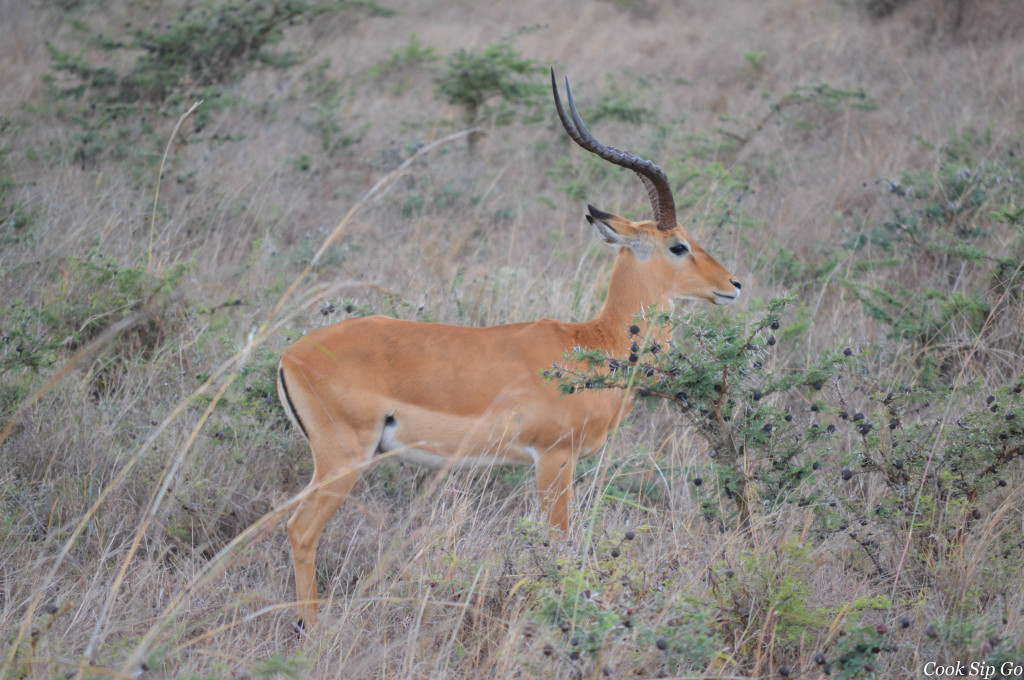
491, 82
961, 225
714, 374
413, 55
938, 459
196, 56
94, 294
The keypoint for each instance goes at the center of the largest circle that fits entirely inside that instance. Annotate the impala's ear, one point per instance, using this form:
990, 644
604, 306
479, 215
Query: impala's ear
618, 232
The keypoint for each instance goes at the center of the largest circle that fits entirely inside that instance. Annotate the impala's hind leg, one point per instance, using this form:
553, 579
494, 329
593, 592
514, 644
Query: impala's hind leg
554, 485
336, 473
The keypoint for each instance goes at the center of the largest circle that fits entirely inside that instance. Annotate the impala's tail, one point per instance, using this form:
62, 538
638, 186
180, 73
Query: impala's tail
286, 401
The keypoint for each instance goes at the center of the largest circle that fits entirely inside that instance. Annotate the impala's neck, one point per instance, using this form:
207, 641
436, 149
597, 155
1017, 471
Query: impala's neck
629, 293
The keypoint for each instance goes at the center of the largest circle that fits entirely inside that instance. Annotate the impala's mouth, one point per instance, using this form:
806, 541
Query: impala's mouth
725, 298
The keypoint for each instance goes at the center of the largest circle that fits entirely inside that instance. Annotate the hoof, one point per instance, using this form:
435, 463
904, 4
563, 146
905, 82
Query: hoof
300, 628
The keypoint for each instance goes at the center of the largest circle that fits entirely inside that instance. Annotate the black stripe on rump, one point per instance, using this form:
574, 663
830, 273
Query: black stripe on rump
291, 406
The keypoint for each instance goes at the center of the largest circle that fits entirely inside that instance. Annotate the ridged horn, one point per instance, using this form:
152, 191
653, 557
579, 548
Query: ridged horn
654, 178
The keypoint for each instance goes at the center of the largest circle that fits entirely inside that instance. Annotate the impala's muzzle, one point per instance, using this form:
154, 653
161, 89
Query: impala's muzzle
728, 298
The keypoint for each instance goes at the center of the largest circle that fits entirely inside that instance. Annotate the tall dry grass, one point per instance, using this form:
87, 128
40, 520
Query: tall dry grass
143, 479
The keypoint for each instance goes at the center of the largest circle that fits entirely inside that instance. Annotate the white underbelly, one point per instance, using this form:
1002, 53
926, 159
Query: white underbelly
463, 450
455, 461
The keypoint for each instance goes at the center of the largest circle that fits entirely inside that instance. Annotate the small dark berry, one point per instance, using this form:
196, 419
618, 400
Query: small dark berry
767, 427
643, 391
50, 608
697, 481
894, 423
847, 474
994, 408
654, 348
757, 365
865, 427
817, 384
1002, 482
633, 358
882, 629
990, 399
729, 573
634, 329
815, 465
858, 416
819, 658
681, 396
574, 655
770, 340
661, 644
756, 396
931, 631
830, 429
775, 325
904, 622
630, 535
898, 464
815, 408
634, 347
784, 671
844, 415
1017, 389
847, 352
574, 641
788, 417
615, 552
870, 667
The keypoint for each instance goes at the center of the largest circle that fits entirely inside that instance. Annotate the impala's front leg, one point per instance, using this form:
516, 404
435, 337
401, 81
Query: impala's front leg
554, 485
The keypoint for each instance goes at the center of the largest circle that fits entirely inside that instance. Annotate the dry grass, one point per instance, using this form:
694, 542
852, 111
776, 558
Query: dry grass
142, 483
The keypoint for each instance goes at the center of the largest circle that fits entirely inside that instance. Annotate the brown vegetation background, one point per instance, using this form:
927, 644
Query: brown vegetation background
130, 462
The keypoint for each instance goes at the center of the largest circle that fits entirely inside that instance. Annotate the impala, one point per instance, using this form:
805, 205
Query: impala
448, 396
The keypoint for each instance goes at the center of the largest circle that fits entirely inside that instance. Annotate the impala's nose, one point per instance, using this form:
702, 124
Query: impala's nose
735, 283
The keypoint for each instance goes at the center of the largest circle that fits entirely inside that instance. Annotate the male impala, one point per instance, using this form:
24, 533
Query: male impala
453, 396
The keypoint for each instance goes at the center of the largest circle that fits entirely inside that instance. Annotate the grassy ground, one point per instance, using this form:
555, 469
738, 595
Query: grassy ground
865, 156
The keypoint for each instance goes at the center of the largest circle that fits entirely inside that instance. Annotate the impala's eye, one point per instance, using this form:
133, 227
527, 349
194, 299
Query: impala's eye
679, 249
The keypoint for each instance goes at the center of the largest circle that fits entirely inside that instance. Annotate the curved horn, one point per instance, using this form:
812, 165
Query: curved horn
654, 178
